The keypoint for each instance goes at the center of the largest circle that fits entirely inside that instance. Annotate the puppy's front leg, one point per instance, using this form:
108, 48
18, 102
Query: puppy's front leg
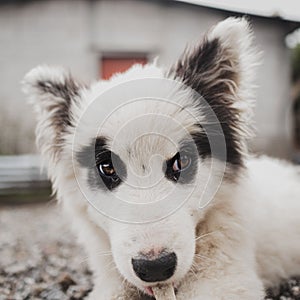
106, 289
229, 286
223, 269
224, 266
108, 283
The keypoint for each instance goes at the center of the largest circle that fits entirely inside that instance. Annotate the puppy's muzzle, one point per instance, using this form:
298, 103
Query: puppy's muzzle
155, 270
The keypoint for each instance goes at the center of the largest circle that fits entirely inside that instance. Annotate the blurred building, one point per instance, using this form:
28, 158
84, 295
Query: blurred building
94, 38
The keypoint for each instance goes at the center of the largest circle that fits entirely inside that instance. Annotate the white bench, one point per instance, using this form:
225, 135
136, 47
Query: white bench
21, 175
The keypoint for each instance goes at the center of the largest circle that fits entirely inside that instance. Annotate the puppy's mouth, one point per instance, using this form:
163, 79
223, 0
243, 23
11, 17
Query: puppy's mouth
149, 291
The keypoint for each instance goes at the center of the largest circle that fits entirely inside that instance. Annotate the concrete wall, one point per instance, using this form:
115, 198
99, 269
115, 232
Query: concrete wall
76, 33
273, 113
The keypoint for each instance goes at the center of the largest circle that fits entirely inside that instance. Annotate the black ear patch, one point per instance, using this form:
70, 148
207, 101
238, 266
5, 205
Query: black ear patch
65, 92
59, 108
52, 91
213, 72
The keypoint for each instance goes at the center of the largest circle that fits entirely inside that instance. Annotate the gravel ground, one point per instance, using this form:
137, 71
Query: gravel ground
39, 260
38, 257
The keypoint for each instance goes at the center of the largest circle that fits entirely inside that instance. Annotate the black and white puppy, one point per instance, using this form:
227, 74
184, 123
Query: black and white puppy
152, 169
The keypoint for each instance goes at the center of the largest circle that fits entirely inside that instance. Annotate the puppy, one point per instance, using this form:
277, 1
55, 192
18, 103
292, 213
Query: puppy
152, 169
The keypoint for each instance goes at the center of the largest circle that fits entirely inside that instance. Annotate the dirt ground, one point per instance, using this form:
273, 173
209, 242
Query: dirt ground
40, 260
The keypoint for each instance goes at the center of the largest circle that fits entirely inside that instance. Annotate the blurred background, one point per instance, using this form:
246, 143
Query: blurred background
95, 38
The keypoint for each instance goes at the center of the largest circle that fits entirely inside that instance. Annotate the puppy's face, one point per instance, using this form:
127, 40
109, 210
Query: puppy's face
149, 148
141, 168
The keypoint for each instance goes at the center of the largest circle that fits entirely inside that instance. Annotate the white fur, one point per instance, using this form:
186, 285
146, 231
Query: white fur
246, 239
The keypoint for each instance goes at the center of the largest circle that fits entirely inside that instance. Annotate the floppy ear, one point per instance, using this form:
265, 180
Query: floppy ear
53, 92
220, 69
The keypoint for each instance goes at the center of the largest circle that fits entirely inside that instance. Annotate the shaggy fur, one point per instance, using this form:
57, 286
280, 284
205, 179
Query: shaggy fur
243, 240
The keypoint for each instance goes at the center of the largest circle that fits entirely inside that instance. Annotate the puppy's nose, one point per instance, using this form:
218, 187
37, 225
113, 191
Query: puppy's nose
154, 270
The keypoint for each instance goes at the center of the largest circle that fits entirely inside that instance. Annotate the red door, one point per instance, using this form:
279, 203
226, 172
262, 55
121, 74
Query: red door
112, 65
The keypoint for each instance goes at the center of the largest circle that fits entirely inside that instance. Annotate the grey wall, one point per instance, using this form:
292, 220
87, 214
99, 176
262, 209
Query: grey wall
273, 113
76, 33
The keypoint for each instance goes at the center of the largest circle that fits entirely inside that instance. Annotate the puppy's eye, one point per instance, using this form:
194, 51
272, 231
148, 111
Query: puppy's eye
107, 169
178, 167
181, 163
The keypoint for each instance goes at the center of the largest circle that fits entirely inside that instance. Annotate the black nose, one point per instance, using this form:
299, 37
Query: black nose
159, 269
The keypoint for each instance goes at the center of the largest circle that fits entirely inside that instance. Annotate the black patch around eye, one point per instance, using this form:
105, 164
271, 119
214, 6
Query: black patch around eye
91, 156
186, 175
202, 143
231, 154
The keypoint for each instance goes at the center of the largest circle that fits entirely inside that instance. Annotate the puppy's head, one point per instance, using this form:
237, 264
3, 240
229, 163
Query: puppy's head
149, 147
